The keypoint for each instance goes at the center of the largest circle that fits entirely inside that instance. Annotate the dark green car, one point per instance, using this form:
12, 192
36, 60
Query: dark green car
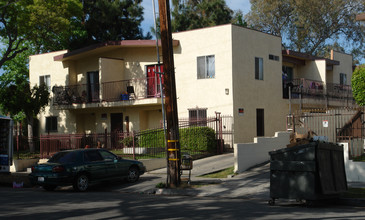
83, 167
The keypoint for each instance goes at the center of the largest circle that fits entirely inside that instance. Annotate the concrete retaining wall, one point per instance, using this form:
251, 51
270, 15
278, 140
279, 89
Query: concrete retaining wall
355, 171
251, 154
154, 164
22, 165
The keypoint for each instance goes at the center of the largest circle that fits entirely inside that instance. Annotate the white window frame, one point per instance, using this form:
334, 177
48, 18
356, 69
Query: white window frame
206, 67
45, 80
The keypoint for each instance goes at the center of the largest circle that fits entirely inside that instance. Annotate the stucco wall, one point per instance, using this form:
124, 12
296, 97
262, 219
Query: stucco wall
355, 171
113, 65
250, 93
43, 64
204, 93
313, 70
344, 67
251, 154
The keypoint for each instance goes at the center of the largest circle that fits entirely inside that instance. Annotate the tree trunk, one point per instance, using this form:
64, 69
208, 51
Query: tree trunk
30, 134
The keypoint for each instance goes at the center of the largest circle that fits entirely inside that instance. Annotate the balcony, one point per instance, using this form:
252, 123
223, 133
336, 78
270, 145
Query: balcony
333, 93
124, 92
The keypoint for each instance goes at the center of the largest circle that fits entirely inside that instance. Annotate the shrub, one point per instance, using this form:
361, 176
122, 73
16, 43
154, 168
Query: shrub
128, 141
195, 139
358, 85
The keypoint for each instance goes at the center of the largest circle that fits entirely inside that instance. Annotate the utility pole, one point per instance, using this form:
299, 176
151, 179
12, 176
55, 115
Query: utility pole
173, 145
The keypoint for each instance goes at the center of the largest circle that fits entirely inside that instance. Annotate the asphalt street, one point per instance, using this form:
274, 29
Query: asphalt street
244, 196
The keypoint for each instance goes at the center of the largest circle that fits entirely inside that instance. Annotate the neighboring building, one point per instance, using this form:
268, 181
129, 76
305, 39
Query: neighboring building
318, 82
228, 69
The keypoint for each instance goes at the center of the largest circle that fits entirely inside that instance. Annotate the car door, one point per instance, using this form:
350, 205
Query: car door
94, 164
110, 161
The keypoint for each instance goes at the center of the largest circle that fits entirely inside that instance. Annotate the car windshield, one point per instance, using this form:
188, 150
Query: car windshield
64, 157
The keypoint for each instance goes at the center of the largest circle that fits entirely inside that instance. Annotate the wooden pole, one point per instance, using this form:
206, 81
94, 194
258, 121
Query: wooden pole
173, 145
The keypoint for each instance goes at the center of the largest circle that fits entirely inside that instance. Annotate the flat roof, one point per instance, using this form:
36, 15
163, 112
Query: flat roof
300, 58
107, 46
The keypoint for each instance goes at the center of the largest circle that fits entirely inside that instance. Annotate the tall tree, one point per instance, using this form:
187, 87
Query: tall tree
17, 97
309, 25
113, 20
192, 14
47, 24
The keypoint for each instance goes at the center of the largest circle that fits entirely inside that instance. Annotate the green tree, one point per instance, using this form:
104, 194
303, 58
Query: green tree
238, 19
46, 25
113, 20
193, 14
358, 85
309, 25
17, 98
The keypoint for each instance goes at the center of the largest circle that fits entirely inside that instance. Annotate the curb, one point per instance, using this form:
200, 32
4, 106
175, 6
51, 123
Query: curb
15, 179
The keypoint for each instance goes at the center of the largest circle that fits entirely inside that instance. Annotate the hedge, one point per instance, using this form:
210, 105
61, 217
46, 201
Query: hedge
196, 139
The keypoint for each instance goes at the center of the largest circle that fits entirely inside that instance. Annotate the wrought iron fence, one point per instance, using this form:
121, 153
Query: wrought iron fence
196, 140
338, 125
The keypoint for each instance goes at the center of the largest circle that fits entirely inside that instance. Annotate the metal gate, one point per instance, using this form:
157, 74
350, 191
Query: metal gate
338, 125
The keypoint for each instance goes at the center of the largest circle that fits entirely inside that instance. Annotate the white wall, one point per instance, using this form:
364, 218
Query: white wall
251, 154
355, 171
204, 93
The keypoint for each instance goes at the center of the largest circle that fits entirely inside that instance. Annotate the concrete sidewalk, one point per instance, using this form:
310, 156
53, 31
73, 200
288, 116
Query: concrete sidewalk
254, 183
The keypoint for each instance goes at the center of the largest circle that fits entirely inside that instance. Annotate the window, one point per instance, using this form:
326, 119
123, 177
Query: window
259, 68
198, 116
107, 156
51, 124
45, 80
64, 157
273, 57
92, 156
343, 79
206, 67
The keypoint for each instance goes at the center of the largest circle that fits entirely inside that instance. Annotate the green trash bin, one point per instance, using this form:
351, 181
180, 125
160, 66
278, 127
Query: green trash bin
307, 172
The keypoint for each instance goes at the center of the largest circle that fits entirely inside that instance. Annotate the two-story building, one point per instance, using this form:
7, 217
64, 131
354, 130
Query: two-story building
228, 69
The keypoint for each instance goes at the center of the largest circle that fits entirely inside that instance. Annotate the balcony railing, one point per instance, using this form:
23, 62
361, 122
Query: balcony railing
316, 89
122, 90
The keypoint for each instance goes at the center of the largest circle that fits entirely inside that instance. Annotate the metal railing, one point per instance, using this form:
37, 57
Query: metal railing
314, 89
108, 91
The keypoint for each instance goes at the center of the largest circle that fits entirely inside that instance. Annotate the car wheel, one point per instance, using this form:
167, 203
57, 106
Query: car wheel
49, 187
81, 183
133, 175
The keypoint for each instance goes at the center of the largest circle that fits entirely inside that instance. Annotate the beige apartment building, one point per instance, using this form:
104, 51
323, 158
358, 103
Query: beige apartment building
228, 69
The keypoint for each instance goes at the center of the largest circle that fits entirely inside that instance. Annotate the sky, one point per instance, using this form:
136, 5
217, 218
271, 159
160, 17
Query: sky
243, 5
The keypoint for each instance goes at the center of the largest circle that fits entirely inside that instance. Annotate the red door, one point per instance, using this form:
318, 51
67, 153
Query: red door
153, 81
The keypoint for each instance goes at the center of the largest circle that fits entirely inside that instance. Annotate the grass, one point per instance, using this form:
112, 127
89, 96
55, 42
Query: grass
220, 174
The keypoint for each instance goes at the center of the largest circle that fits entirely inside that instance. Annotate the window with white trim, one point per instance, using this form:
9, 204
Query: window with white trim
45, 80
206, 67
